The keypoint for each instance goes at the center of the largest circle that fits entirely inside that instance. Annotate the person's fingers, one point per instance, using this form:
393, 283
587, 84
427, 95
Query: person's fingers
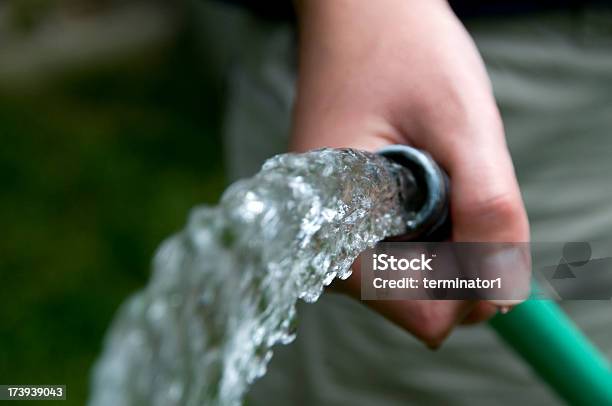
431, 321
486, 206
486, 201
482, 311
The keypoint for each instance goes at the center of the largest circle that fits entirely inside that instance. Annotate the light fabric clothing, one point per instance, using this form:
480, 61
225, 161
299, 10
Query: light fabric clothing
552, 77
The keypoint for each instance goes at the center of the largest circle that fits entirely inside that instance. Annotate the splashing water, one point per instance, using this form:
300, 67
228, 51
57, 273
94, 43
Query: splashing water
224, 289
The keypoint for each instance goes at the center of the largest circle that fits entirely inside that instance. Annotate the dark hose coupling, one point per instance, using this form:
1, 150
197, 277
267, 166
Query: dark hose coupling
424, 191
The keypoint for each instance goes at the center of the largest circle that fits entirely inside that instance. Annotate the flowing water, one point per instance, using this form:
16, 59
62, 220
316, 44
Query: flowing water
224, 289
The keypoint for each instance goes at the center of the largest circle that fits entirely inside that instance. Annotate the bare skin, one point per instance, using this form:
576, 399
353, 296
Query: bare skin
373, 73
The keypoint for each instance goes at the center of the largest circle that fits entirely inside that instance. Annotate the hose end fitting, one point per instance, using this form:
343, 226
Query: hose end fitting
429, 205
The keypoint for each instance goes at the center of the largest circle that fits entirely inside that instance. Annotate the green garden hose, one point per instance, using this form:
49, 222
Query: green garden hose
541, 333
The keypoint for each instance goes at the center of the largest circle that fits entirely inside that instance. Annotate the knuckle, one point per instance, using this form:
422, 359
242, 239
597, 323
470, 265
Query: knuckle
504, 208
433, 326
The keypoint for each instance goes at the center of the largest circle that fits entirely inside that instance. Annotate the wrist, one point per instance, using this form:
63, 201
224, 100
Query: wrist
355, 27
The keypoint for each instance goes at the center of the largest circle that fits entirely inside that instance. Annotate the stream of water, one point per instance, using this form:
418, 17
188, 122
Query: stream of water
223, 290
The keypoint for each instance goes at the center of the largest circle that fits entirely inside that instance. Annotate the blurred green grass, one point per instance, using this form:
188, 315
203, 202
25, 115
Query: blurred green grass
96, 170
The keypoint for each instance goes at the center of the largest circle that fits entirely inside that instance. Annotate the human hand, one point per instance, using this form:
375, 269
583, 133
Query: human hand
406, 72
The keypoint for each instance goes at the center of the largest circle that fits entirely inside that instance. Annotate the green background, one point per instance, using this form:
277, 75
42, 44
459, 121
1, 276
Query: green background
97, 167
